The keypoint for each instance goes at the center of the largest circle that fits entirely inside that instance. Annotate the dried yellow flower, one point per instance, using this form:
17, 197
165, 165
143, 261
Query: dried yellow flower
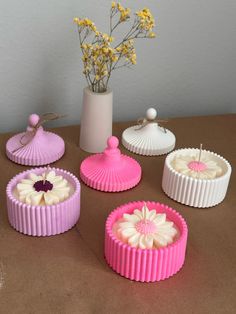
100, 58
146, 19
151, 35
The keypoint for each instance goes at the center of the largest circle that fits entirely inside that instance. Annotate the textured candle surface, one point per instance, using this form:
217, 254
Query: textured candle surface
145, 229
45, 189
205, 168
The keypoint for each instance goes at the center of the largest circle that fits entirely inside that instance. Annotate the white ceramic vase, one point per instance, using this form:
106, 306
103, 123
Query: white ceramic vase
96, 120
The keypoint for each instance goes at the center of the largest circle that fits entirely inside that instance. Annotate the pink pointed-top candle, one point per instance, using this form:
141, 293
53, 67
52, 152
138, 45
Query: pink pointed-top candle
110, 171
35, 147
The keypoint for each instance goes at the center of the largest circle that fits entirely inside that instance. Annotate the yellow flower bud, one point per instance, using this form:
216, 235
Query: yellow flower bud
151, 35
113, 4
105, 50
76, 20
119, 7
94, 28
114, 58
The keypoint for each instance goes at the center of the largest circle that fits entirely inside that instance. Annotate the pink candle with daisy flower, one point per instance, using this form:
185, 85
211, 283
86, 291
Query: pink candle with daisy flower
145, 241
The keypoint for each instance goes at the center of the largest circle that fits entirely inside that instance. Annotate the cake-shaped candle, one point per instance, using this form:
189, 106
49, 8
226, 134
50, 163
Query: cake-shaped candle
43, 201
110, 171
145, 241
36, 147
196, 177
149, 138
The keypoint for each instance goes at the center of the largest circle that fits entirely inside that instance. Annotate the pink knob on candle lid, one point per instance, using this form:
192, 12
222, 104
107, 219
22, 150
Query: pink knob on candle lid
112, 142
112, 149
33, 119
110, 171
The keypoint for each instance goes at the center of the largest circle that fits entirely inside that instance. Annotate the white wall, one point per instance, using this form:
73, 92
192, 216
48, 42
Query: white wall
189, 69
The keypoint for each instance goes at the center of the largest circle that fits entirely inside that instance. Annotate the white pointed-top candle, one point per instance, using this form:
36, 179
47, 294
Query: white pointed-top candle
149, 137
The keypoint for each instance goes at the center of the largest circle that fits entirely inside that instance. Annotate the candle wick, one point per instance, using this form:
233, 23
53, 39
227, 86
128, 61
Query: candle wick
45, 174
200, 153
145, 212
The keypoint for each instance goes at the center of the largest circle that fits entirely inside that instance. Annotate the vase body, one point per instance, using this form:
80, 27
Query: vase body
96, 120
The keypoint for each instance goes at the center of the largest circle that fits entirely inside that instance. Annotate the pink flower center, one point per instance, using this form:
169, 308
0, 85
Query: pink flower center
43, 186
145, 226
197, 166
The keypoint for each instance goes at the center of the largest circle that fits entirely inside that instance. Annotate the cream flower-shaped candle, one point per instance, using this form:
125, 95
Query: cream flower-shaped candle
193, 167
146, 229
45, 189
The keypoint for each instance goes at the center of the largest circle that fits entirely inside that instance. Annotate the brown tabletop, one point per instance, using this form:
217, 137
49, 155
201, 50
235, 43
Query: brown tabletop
68, 274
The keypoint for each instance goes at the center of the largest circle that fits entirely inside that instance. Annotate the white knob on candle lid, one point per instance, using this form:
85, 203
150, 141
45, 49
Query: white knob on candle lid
151, 114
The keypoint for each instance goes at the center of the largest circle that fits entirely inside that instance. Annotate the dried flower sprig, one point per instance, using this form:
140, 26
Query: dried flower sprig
100, 55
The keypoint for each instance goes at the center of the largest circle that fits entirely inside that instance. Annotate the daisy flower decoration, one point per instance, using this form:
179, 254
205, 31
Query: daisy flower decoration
193, 167
45, 189
146, 229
